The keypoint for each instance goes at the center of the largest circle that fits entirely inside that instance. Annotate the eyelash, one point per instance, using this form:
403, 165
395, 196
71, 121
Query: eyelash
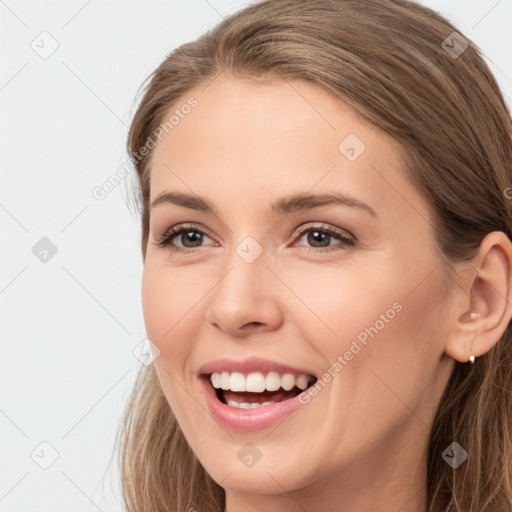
168, 236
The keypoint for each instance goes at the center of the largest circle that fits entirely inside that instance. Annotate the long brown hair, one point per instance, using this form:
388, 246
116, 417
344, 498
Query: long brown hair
403, 68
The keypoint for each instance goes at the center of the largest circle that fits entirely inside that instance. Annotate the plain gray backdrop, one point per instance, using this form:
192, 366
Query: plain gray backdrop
71, 266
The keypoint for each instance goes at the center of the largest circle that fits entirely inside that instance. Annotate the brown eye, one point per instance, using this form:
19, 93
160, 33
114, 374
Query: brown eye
194, 237
321, 237
189, 237
315, 237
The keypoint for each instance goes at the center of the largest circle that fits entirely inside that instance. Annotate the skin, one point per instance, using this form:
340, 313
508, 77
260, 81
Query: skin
361, 443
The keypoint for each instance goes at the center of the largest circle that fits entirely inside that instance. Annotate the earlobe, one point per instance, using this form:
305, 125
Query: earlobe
488, 291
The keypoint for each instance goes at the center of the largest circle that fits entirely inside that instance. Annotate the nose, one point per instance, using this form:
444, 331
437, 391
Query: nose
245, 299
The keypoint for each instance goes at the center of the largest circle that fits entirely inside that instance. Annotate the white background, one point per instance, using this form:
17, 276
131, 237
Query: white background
69, 325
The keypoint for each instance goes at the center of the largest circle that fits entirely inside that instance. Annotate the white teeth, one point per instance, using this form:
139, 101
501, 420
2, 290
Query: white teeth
245, 405
237, 382
287, 381
215, 378
272, 381
256, 382
302, 381
225, 380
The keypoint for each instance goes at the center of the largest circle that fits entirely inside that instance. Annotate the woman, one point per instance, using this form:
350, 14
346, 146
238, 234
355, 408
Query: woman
327, 268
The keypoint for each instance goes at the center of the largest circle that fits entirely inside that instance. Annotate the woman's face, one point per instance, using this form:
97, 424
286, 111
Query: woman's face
358, 294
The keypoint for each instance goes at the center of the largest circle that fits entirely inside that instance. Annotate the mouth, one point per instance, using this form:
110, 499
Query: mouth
259, 389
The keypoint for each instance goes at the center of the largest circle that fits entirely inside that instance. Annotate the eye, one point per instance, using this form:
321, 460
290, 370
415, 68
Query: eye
318, 236
185, 234
321, 236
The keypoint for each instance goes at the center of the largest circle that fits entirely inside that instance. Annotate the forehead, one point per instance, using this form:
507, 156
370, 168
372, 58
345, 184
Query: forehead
291, 118
246, 141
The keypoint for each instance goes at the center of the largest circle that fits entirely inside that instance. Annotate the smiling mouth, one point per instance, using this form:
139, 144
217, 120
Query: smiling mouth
252, 400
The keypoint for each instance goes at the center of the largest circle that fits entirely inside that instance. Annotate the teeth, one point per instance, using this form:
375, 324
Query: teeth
225, 380
302, 381
272, 381
215, 380
287, 381
237, 382
245, 405
256, 382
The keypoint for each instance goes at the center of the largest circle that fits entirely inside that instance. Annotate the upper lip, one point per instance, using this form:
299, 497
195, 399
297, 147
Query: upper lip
251, 364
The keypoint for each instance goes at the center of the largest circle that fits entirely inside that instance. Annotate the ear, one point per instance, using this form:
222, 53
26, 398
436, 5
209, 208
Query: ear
484, 307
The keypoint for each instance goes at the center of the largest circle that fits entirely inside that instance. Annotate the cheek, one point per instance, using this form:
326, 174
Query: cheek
169, 318
394, 349
379, 320
165, 305
338, 304
170, 302
154, 295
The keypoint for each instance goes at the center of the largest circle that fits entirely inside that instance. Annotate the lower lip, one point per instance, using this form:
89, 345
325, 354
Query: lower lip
247, 419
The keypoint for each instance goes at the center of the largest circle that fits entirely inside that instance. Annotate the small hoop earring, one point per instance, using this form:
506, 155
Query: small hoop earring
472, 359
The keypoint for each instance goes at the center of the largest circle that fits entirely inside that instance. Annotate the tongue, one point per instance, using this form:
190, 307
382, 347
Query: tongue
266, 396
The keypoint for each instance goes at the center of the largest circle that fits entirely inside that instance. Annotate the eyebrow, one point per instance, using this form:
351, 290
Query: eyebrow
286, 204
